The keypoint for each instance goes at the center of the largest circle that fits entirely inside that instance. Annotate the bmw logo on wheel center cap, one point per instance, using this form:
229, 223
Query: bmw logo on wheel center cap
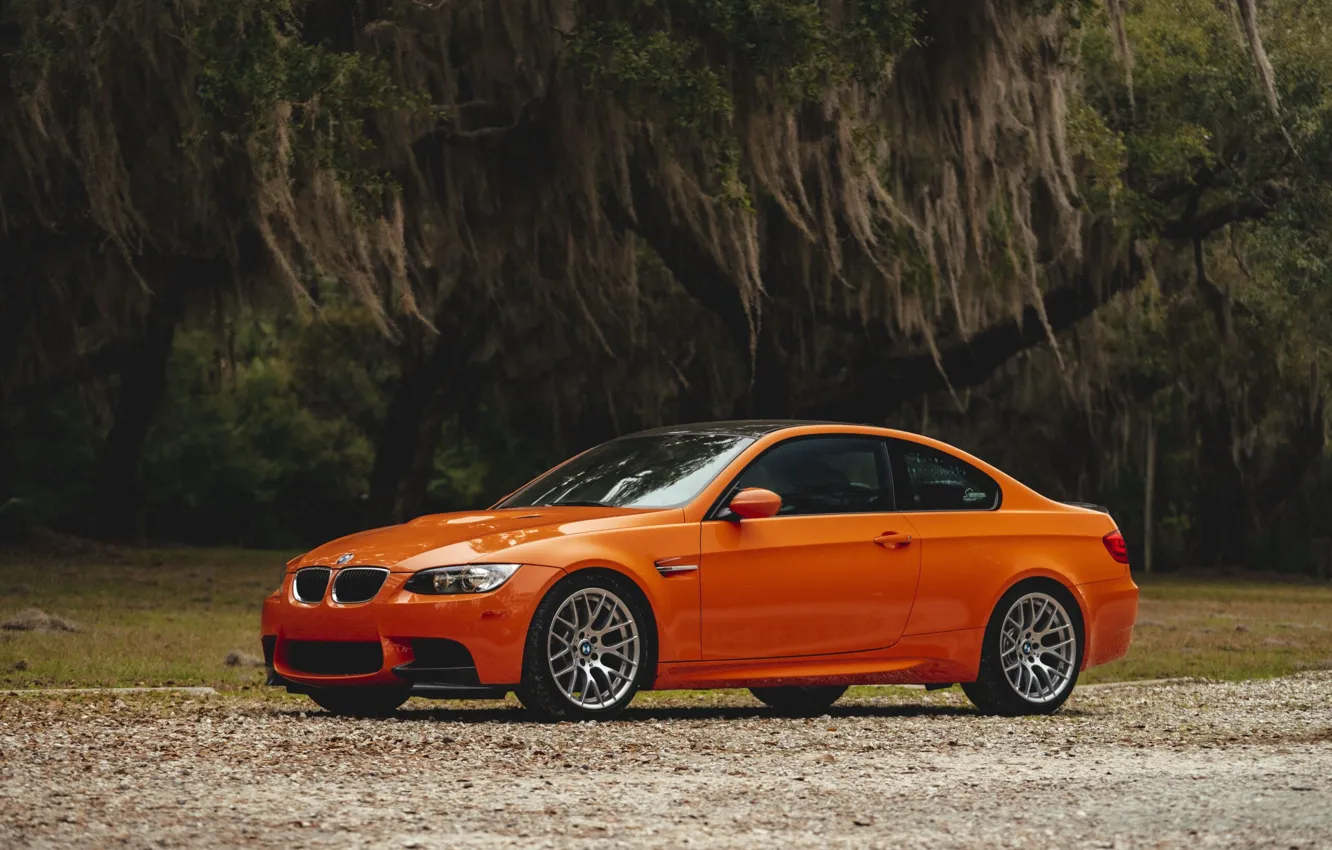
585, 648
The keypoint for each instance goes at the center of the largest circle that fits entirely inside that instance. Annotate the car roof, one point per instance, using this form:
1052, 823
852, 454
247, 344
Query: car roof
734, 427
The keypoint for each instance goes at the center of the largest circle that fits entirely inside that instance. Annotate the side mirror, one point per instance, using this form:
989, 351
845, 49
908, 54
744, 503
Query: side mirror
755, 503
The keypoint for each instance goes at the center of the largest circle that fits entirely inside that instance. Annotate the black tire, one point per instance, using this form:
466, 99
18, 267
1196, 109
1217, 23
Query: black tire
993, 692
379, 701
800, 702
543, 693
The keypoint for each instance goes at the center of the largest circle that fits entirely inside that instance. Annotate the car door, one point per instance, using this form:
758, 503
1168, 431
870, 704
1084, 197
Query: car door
811, 580
953, 506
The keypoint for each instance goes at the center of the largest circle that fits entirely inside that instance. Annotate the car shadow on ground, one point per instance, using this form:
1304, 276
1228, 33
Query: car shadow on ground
515, 715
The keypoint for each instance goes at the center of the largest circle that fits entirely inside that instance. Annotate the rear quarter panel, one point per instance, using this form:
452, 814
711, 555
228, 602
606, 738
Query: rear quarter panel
970, 559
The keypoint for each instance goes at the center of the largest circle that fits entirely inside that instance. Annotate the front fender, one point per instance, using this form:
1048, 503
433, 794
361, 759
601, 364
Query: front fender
633, 552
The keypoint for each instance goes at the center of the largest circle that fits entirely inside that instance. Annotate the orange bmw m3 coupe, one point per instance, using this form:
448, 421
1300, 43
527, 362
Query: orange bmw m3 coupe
793, 559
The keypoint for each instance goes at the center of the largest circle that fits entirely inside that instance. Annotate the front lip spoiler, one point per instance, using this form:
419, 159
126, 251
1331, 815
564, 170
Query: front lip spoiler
429, 690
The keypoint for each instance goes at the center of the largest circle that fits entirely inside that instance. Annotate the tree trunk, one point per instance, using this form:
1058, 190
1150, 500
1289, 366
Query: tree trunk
1148, 512
1223, 518
420, 471
436, 374
117, 491
396, 444
770, 390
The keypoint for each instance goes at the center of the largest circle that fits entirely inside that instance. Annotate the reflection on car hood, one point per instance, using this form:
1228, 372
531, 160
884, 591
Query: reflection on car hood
459, 538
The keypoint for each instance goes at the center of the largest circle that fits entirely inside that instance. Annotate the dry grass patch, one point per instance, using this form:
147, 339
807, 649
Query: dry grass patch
1225, 628
146, 617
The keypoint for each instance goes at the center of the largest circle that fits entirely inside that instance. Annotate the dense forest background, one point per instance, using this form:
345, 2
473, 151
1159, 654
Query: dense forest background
275, 270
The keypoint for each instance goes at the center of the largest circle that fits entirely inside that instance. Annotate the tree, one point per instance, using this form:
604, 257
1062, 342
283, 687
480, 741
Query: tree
1227, 152
160, 161
1224, 351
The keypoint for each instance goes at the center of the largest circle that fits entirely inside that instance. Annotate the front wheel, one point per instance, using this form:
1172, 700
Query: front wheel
1032, 652
361, 702
800, 702
591, 644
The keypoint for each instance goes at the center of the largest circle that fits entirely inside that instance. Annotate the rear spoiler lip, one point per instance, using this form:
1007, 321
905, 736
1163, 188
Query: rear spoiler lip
1089, 506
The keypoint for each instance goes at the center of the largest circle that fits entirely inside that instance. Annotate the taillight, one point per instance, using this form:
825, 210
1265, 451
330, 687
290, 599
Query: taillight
1115, 545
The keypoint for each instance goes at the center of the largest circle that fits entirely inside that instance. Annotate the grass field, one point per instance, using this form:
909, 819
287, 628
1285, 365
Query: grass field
171, 616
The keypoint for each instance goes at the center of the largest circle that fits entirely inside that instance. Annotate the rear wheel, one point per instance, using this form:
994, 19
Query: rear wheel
1032, 652
591, 644
361, 702
799, 702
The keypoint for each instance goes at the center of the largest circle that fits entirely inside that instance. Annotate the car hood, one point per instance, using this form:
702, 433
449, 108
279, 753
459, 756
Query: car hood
460, 538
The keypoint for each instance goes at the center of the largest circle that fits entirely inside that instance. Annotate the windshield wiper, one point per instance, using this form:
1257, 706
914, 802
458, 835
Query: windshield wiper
576, 503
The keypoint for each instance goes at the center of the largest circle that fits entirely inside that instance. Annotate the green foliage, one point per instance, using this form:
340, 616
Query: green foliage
1098, 153
691, 61
1200, 119
238, 76
249, 451
46, 453
255, 68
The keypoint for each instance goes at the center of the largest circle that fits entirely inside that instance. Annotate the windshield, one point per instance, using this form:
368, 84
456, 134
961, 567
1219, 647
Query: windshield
657, 471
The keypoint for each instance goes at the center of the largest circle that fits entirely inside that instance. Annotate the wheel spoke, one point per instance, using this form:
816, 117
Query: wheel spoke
592, 617
1036, 617
1063, 664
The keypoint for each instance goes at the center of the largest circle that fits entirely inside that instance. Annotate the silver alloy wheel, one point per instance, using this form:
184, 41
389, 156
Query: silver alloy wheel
1038, 647
592, 648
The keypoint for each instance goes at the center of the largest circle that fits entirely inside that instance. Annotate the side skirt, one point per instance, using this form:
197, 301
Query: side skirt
939, 658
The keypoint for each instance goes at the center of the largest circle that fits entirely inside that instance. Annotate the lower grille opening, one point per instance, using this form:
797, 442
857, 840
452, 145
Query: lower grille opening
439, 652
334, 658
270, 645
439, 661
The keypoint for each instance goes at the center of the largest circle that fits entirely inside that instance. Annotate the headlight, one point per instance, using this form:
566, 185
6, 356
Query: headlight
470, 578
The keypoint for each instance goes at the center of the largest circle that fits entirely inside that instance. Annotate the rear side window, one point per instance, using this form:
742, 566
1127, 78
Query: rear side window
927, 479
823, 475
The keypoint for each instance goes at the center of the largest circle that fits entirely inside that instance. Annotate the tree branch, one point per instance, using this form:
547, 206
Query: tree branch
873, 392
1200, 226
695, 268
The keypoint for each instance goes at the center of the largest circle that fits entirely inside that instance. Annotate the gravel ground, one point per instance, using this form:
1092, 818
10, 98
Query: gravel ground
1197, 764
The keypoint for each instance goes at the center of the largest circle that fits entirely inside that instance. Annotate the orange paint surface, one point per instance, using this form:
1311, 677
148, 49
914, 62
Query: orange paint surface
857, 598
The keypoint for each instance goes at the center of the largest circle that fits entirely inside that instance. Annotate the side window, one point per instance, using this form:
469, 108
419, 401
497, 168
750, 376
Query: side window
823, 475
927, 479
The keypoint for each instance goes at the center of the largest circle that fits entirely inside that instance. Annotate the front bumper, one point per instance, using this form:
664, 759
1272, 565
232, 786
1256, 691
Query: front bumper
491, 626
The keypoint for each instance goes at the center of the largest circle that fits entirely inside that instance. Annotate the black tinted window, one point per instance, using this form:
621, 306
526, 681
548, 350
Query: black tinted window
660, 471
823, 475
927, 479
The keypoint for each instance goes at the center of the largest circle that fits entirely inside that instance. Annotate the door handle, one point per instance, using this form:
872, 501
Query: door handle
893, 539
